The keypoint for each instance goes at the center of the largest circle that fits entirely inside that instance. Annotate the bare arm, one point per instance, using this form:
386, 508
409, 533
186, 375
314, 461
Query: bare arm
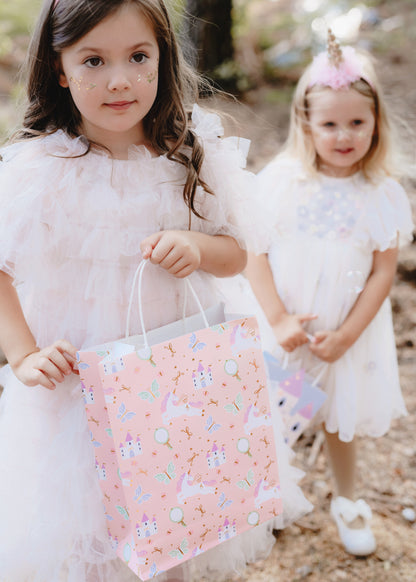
30, 364
287, 327
331, 345
181, 252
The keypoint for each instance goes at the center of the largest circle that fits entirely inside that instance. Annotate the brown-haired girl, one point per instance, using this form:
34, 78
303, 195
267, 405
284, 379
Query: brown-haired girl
112, 165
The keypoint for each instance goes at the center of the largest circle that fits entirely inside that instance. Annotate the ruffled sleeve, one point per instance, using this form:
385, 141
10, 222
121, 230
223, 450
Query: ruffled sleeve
277, 184
234, 208
389, 216
24, 205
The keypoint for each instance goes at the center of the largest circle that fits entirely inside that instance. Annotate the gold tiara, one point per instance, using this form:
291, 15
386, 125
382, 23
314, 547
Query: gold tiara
335, 57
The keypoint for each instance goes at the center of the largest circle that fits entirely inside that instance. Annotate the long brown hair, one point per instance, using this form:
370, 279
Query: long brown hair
50, 106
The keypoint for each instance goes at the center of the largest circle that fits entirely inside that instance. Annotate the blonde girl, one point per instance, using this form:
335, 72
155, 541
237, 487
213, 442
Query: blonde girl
337, 216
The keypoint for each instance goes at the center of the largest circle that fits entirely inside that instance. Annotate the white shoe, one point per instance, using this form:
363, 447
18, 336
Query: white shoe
358, 541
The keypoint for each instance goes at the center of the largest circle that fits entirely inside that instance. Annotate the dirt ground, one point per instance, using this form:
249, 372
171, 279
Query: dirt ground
309, 549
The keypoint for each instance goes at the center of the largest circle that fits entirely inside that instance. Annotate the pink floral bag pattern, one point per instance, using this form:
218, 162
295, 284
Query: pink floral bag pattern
183, 442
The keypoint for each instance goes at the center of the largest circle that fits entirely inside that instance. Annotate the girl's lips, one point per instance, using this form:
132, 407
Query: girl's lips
119, 105
346, 151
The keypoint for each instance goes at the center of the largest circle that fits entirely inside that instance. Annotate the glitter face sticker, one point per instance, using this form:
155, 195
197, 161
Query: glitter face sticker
152, 76
79, 85
76, 82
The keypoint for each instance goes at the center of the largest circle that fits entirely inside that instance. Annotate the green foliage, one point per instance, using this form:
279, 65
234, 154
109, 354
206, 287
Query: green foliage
16, 19
279, 96
17, 16
230, 76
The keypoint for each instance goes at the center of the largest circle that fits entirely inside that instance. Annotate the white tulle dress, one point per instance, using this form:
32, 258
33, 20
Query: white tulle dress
70, 233
324, 231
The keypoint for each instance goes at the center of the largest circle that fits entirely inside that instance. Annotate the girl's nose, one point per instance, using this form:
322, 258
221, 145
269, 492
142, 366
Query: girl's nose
118, 81
343, 133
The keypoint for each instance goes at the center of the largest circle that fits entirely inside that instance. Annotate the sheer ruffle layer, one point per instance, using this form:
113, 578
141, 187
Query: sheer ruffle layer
71, 227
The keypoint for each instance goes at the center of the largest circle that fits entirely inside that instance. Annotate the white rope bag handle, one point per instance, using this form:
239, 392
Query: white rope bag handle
137, 280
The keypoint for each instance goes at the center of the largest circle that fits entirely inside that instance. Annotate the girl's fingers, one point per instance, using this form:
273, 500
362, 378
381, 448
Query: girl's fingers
62, 363
64, 346
181, 268
159, 256
148, 244
307, 317
64, 355
38, 378
172, 262
49, 369
185, 272
45, 382
147, 252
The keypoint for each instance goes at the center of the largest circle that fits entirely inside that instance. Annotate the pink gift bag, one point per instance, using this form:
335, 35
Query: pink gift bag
297, 397
182, 436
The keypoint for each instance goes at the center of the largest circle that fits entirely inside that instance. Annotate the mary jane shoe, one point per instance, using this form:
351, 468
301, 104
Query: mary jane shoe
358, 541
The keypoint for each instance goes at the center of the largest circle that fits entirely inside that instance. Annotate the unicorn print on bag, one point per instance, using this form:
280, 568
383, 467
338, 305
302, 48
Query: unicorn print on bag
255, 419
264, 492
243, 338
289, 392
189, 487
297, 421
174, 407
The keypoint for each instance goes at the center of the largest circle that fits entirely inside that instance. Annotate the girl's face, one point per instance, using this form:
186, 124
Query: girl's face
112, 74
341, 126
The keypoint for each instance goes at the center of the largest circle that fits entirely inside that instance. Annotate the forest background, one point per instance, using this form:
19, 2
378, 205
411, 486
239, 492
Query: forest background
255, 50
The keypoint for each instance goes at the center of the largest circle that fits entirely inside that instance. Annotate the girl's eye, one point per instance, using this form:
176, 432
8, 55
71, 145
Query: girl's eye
357, 122
139, 58
329, 124
93, 62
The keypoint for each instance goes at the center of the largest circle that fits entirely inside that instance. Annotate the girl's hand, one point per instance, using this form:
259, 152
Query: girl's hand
329, 346
47, 366
174, 250
289, 331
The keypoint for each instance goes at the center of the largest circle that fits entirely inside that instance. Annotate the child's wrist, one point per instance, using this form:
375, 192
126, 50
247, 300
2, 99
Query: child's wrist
277, 318
15, 360
346, 336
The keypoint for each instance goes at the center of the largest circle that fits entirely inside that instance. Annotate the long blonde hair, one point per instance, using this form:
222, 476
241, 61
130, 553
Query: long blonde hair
383, 157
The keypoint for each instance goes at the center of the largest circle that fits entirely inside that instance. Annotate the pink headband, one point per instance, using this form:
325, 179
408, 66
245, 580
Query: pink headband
336, 67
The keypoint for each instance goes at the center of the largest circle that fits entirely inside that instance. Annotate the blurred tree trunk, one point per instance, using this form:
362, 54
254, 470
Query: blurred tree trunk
209, 30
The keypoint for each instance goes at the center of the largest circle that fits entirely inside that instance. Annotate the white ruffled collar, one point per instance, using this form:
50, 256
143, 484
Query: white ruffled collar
206, 125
